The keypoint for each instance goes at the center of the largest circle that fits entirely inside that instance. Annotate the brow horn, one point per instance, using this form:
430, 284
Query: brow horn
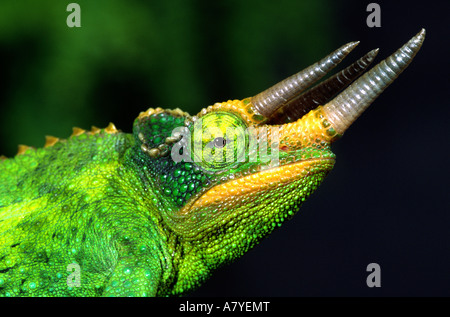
268, 101
322, 92
345, 108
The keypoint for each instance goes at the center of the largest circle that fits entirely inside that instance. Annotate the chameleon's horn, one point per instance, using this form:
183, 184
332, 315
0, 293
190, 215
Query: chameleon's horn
345, 108
321, 93
268, 101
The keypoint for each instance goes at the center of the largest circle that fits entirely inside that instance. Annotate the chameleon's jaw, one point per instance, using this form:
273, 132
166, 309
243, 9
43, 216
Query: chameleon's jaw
263, 198
259, 182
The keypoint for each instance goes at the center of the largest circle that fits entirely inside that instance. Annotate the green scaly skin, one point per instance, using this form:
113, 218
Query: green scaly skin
100, 201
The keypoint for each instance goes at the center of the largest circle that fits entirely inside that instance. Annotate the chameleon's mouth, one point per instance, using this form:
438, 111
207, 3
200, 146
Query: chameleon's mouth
259, 182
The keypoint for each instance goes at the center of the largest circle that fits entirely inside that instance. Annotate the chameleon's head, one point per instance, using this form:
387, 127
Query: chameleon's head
230, 175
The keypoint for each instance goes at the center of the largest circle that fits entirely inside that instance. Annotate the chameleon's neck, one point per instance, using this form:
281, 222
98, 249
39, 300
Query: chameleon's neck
183, 254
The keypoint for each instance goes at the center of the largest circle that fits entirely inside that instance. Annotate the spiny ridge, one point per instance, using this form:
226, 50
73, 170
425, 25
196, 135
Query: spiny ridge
50, 140
76, 131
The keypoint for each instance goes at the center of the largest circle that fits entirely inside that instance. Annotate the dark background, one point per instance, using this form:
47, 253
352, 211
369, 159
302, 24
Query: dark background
385, 202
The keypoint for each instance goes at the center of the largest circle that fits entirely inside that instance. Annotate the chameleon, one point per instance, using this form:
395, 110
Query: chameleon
154, 212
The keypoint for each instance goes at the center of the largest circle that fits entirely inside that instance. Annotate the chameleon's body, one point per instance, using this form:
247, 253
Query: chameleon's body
135, 221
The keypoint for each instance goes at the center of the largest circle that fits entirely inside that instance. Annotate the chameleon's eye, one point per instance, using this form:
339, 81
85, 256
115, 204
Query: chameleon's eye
218, 141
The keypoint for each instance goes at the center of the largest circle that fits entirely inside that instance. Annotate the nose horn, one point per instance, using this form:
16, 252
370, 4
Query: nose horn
346, 107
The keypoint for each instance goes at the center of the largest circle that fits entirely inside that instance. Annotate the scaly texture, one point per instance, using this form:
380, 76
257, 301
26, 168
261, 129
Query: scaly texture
65, 204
